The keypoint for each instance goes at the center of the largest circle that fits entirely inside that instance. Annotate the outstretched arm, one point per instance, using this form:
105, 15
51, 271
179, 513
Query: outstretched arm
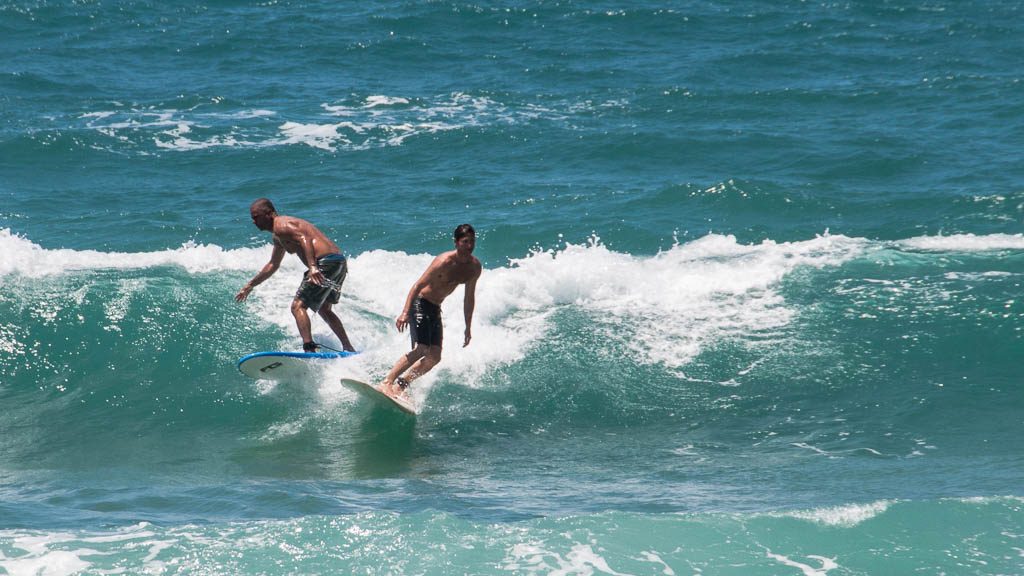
266, 272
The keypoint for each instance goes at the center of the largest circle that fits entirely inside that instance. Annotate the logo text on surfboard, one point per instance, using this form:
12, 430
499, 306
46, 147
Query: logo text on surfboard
270, 366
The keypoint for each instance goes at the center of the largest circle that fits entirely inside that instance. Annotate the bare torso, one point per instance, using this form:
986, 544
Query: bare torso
446, 273
290, 233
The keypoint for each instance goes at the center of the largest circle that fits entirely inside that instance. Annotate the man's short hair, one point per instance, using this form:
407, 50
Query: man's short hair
263, 205
464, 230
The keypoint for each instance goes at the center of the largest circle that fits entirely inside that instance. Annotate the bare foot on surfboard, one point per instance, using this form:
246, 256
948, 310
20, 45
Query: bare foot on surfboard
383, 388
396, 389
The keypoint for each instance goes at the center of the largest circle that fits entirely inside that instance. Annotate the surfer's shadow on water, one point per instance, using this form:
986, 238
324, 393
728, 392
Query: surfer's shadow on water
384, 444
363, 441
317, 429
340, 442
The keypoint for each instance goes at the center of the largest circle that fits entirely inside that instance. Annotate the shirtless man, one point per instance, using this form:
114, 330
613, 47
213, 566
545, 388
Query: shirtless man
422, 312
321, 283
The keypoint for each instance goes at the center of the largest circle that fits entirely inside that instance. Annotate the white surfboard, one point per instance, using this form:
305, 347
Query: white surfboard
378, 398
278, 366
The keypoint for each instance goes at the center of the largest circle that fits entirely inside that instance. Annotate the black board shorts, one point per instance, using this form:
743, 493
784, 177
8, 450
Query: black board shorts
334, 267
425, 325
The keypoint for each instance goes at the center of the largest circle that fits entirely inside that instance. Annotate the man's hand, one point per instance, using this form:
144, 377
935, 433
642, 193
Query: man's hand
469, 336
316, 276
401, 322
243, 293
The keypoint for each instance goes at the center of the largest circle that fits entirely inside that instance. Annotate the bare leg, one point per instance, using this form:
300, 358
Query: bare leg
302, 320
410, 367
409, 359
424, 364
335, 323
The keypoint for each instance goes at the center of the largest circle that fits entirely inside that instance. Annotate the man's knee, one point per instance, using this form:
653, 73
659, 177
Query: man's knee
433, 355
298, 306
418, 351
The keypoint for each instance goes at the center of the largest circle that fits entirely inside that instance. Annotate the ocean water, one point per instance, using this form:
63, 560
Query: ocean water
751, 301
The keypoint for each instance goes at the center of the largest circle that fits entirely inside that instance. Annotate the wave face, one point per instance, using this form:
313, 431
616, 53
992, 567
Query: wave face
796, 359
750, 301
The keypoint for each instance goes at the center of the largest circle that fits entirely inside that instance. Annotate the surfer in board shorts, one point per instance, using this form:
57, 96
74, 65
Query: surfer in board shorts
321, 284
422, 311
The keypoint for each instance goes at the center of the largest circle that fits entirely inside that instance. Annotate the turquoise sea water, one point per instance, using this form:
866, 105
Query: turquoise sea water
751, 300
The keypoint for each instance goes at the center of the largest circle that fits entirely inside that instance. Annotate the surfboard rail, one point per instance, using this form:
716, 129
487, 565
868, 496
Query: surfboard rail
280, 365
378, 398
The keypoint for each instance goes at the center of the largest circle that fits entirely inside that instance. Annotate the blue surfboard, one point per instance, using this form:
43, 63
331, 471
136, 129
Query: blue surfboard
277, 365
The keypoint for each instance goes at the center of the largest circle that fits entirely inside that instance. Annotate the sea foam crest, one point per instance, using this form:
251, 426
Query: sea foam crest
533, 558
842, 516
661, 309
827, 564
19, 255
65, 553
965, 243
370, 122
666, 308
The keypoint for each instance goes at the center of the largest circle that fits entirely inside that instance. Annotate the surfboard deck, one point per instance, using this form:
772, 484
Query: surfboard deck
378, 398
276, 365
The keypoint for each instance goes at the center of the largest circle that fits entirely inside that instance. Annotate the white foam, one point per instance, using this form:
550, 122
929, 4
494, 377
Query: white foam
132, 119
323, 136
41, 558
283, 430
376, 121
255, 113
57, 563
98, 115
534, 559
19, 255
661, 309
843, 516
650, 556
178, 140
666, 308
60, 554
381, 100
965, 243
808, 570
355, 136
991, 499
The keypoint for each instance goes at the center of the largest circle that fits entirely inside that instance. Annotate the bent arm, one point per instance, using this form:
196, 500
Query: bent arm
307, 244
310, 257
414, 292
